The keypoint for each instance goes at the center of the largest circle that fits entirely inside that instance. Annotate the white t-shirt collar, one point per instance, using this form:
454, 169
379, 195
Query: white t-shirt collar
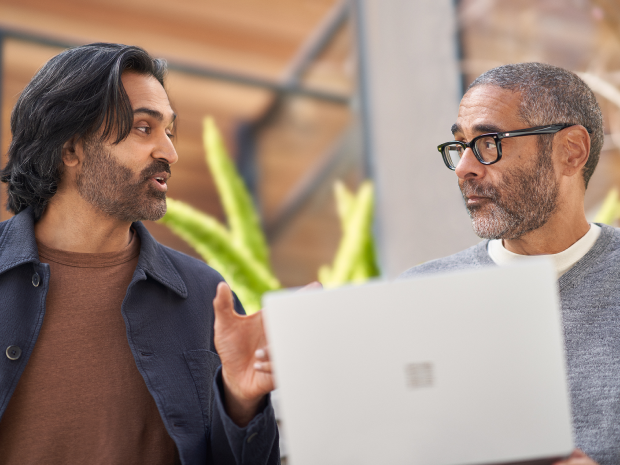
562, 261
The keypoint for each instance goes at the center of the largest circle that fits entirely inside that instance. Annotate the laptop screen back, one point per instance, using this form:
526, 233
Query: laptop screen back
463, 368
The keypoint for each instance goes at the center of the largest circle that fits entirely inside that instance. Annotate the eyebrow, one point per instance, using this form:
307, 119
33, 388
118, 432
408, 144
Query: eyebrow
158, 115
480, 128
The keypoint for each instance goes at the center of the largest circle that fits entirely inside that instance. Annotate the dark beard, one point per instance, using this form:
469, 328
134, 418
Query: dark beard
111, 187
523, 201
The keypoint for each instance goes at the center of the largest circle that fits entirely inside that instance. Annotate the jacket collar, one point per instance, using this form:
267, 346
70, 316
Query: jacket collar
17, 242
155, 262
18, 246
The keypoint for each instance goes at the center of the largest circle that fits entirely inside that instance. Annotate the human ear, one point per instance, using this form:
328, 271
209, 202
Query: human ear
575, 144
70, 153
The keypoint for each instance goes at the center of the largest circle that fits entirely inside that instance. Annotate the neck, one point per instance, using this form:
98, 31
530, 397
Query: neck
555, 236
70, 223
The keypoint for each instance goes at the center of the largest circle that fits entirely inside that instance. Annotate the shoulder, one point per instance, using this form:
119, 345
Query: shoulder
473, 257
4, 225
602, 257
611, 234
606, 247
7, 225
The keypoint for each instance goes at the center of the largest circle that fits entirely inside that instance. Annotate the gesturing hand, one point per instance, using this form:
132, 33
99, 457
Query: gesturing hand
246, 368
578, 457
237, 338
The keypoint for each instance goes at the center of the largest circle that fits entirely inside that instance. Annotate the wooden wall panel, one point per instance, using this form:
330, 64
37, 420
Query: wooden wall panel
257, 38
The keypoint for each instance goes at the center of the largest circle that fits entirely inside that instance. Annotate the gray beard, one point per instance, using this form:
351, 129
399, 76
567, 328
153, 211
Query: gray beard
523, 201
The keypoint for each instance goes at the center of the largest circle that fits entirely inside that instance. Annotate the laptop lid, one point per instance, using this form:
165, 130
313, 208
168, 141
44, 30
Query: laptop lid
454, 369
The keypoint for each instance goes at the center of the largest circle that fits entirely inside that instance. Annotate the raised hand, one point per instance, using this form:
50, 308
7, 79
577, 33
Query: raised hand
237, 338
246, 367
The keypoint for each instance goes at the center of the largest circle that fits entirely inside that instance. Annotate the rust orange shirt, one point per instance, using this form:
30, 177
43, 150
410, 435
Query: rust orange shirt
81, 398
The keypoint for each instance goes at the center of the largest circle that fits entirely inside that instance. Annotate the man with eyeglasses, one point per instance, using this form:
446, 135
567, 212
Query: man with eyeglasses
527, 139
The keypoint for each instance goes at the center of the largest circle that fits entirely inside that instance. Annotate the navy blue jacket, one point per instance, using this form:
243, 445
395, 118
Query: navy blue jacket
168, 313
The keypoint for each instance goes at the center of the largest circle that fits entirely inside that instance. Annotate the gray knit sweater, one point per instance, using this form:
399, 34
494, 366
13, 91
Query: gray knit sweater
590, 299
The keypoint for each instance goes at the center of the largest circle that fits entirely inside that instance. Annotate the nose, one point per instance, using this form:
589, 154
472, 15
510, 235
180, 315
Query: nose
164, 150
469, 166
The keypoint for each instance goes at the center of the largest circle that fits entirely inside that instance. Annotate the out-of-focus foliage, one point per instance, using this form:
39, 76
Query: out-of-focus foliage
355, 259
609, 212
239, 251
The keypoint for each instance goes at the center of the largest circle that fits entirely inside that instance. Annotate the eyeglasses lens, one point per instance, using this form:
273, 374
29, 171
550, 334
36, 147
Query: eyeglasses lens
487, 149
453, 154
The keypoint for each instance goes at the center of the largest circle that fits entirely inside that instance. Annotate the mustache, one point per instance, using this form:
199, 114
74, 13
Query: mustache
157, 166
470, 188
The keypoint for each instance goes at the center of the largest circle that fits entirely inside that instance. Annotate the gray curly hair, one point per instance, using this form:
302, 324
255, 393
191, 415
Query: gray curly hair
551, 95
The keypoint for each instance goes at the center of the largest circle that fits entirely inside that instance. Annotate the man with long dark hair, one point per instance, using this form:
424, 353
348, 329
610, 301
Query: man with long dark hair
114, 354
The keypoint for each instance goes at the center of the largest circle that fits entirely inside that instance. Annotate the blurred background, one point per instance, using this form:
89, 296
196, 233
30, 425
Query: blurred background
310, 91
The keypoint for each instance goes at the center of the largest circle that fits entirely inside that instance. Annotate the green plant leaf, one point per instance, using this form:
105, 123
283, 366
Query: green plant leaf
246, 276
610, 210
236, 200
354, 258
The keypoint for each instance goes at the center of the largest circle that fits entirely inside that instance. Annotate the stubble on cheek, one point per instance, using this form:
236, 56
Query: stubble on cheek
115, 190
522, 201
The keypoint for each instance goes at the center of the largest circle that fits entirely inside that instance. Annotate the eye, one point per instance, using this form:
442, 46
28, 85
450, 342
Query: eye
144, 129
170, 135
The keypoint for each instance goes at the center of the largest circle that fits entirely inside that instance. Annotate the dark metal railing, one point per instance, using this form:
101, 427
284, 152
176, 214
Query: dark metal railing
287, 87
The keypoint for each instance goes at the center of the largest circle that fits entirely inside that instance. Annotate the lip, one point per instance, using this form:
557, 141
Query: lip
159, 180
475, 199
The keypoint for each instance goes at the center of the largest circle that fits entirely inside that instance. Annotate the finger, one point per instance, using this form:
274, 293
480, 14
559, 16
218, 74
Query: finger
578, 454
223, 303
262, 354
578, 457
312, 285
263, 367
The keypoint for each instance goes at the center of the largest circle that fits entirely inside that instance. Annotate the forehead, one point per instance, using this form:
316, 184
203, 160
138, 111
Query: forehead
489, 106
146, 92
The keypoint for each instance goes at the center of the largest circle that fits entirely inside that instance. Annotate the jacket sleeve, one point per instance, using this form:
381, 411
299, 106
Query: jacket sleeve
255, 444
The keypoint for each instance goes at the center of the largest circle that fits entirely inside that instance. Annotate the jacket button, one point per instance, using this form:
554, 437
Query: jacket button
13, 352
36, 280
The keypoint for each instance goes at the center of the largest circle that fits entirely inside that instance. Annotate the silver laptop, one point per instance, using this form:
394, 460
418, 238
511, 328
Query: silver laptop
454, 369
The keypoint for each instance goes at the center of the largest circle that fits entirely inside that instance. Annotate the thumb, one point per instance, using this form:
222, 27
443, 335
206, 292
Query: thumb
578, 454
223, 303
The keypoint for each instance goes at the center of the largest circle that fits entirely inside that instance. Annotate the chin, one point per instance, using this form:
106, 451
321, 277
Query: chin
144, 209
153, 212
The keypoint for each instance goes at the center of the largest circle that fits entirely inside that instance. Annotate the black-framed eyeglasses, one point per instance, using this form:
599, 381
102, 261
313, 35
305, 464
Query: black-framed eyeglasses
488, 147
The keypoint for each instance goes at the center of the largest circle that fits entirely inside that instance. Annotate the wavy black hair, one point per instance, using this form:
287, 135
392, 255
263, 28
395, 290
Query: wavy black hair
78, 93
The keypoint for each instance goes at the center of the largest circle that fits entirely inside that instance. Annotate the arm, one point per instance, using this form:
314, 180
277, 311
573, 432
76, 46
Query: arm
243, 385
257, 443
244, 428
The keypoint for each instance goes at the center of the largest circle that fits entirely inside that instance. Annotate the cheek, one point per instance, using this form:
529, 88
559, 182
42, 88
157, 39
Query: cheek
133, 156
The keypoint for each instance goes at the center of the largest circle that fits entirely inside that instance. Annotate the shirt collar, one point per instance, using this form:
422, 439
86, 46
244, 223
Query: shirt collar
18, 246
